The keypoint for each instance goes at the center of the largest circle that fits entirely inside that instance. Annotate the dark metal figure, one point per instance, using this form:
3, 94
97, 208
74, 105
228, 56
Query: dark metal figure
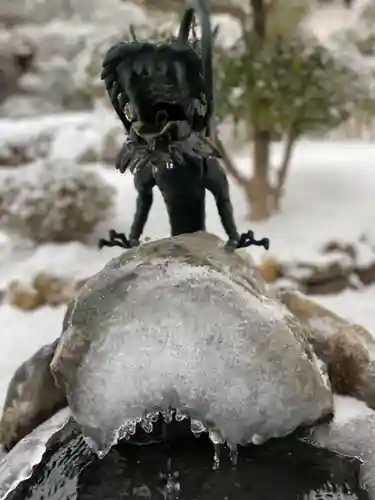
163, 95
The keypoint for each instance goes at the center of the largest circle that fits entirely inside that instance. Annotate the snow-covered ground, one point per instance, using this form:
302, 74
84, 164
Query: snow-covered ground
330, 194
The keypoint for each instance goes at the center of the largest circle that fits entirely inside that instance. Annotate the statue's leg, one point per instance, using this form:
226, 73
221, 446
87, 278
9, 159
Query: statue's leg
143, 206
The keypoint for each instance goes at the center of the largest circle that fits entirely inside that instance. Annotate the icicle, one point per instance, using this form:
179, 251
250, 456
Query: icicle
152, 416
233, 449
122, 433
217, 441
142, 492
167, 416
197, 428
132, 427
147, 425
172, 486
179, 416
257, 440
128, 429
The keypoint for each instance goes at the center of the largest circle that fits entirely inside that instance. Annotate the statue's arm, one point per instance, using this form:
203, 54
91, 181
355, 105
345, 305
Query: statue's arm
144, 183
217, 183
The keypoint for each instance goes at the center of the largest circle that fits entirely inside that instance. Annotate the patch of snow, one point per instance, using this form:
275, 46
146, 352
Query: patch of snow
354, 282
356, 306
325, 327
347, 408
328, 196
365, 255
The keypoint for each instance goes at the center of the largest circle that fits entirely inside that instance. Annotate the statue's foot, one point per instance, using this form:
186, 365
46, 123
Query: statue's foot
115, 240
248, 239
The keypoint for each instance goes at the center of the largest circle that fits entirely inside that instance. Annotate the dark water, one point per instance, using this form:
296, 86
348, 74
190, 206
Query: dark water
285, 469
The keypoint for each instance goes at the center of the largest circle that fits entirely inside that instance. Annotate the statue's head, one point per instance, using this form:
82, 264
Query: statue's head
153, 86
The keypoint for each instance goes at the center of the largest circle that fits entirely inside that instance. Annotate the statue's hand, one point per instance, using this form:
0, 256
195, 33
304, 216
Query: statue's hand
133, 153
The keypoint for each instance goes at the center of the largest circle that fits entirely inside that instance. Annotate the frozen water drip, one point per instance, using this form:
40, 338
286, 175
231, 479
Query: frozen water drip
179, 416
233, 453
167, 416
197, 427
217, 440
147, 425
172, 486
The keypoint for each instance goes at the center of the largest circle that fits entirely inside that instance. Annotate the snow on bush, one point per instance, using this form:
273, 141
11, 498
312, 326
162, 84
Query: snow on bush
54, 201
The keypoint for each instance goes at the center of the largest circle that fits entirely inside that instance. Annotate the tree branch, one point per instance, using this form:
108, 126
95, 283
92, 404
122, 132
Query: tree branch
216, 143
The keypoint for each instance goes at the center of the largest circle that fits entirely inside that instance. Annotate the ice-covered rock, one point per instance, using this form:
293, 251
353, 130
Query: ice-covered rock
19, 464
352, 433
181, 322
347, 349
32, 397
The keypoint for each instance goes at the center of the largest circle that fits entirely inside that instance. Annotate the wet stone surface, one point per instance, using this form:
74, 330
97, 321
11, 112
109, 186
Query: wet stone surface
182, 467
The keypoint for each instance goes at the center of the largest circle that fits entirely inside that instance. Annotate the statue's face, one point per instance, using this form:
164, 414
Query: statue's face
160, 85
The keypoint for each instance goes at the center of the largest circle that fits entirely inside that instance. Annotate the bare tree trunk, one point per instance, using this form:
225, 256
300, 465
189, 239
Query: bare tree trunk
259, 188
259, 18
283, 170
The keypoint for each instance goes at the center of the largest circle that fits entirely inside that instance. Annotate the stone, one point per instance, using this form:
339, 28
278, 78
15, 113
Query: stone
182, 322
54, 290
45, 290
362, 254
336, 247
347, 349
270, 270
326, 274
32, 397
24, 296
